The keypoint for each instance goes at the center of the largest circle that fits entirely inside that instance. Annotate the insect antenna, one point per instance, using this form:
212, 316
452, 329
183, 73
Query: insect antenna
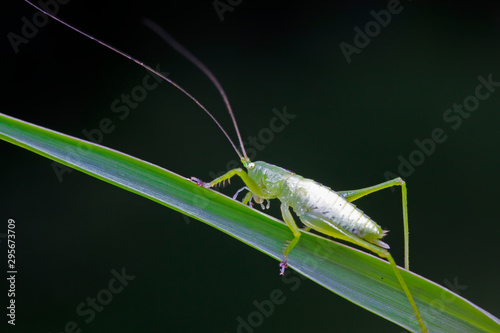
182, 50
162, 76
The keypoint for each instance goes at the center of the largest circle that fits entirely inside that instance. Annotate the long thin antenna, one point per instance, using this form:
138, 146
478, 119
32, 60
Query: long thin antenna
147, 68
182, 50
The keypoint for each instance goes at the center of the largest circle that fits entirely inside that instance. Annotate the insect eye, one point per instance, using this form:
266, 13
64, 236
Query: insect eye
251, 165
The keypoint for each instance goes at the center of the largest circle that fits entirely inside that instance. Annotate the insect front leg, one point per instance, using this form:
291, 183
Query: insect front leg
251, 185
356, 194
290, 222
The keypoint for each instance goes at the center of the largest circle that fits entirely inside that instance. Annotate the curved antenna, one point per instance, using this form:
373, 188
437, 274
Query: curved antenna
182, 50
147, 68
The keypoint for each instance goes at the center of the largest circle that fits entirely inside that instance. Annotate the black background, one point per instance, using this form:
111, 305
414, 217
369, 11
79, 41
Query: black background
353, 121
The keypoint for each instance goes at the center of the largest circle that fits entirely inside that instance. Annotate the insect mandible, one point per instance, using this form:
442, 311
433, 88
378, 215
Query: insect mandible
317, 206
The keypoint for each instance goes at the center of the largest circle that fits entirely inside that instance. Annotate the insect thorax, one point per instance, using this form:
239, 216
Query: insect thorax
270, 178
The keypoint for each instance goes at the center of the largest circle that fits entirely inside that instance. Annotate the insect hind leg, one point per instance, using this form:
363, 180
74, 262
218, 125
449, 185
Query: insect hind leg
330, 229
356, 194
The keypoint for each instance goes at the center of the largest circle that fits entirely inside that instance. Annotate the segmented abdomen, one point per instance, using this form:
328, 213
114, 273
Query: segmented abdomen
308, 196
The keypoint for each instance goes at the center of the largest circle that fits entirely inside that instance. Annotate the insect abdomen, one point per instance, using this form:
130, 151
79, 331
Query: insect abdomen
322, 202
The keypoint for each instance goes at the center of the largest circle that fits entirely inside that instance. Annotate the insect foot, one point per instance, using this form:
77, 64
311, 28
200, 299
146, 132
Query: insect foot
199, 182
284, 263
283, 266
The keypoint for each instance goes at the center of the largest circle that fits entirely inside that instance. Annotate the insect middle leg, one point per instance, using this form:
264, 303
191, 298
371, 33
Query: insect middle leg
290, 222
356, 194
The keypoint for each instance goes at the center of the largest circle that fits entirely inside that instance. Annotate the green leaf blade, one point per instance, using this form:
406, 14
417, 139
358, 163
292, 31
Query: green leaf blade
355, 275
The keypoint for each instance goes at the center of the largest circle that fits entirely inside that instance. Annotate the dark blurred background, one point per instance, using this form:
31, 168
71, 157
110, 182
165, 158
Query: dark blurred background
354, 123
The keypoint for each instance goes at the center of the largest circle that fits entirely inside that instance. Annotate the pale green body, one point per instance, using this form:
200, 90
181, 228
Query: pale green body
321, 209
317, 206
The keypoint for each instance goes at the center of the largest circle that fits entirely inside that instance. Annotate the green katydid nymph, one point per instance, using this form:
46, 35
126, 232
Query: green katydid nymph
317, 206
